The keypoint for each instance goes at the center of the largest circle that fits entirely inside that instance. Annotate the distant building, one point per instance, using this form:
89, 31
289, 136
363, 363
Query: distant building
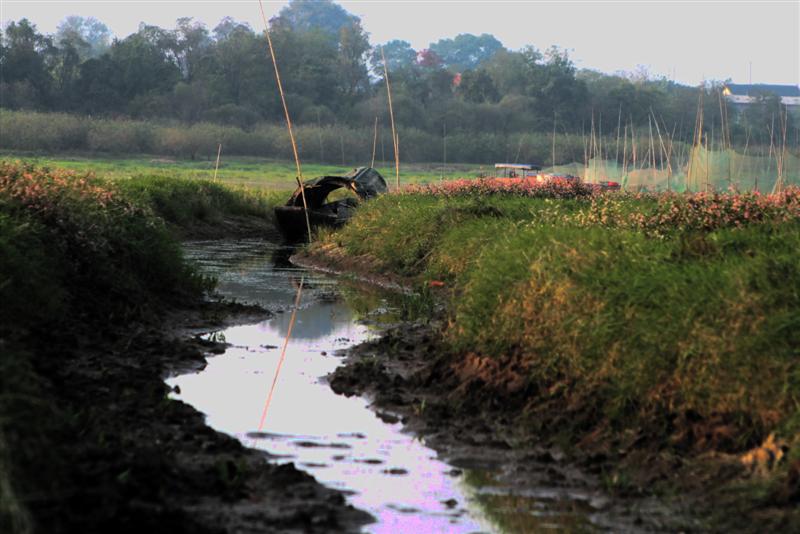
742, 95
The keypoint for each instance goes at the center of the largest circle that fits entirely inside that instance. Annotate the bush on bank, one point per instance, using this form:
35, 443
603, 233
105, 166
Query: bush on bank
678, 316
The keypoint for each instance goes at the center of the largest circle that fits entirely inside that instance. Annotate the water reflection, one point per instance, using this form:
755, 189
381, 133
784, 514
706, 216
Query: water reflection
337, 439
284, 406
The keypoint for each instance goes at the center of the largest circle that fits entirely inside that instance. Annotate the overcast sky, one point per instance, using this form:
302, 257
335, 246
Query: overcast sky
684, 40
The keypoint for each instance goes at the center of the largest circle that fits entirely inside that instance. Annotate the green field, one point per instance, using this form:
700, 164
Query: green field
245, 171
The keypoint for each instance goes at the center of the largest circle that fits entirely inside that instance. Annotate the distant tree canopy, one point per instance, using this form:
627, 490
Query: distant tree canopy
466, 51
332, 74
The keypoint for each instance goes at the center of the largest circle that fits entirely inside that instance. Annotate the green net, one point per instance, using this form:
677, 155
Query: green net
700, 170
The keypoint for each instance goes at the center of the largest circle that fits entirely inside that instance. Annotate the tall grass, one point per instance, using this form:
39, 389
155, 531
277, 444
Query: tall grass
340, 144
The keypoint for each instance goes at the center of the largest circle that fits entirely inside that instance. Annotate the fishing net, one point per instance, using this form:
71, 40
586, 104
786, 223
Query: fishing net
700, 170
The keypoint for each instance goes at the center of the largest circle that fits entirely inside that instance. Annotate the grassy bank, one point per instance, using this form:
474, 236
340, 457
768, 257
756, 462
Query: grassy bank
81, 259
671, 322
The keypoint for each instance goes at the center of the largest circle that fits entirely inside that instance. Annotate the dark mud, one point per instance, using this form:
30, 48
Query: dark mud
132, 460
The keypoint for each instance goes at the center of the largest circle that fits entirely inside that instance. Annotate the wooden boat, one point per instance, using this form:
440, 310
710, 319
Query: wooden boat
364, 182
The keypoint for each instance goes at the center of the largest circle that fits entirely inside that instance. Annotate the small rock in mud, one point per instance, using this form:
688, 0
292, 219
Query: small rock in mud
352, 435
313, 465
388, 418
371, 461
324, 353
395, 471
450, 503
404, 509
313, 444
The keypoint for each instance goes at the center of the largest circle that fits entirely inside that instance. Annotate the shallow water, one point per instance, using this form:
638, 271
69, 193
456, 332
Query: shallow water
287, 408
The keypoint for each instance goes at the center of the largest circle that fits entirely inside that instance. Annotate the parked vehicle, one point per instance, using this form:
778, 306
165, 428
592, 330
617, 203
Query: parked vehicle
530, 171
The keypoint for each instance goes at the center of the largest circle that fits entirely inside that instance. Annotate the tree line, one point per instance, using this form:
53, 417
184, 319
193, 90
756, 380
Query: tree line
333, 76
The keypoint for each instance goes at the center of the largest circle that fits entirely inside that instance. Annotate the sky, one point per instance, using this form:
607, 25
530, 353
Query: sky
684, 40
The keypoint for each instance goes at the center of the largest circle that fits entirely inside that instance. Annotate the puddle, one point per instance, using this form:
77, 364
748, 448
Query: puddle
296, 417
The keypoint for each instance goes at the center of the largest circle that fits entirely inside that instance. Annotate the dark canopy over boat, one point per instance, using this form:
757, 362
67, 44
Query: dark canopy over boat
365, 182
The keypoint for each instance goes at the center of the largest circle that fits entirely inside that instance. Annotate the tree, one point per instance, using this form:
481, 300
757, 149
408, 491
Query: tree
399, 54
477, 86
353, 48
555, 88
466, 51
427, 58
145, 62
90, 37
193, 45
238, 68
510, 71
307, 15
26, 54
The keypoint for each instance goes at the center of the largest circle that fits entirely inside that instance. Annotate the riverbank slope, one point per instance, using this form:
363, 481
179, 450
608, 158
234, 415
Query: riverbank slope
654, 337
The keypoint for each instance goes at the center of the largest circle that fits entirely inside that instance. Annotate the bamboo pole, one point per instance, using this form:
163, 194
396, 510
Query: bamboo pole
444, 148
288, 118
519, 148
662, 148
633, 144
319, 137
619, 126
780, 155
216, 166
554, 140
625, 152
374, 141
395, 138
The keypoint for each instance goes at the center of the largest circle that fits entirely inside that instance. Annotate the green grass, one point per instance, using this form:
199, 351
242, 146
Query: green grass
250, 172
625, 328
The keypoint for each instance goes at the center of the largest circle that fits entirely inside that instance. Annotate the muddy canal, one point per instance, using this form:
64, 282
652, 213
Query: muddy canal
286, 408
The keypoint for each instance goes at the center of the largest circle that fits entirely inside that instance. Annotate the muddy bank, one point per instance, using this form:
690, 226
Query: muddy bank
478, 412
332, 259
97, 299
130, 459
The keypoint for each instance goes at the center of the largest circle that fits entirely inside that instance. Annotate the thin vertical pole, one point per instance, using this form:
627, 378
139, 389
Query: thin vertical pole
288, 119
374, 141
216, 166
395, 138
444, 148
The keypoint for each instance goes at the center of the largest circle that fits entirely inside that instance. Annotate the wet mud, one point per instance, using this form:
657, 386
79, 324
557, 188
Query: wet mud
132, 460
